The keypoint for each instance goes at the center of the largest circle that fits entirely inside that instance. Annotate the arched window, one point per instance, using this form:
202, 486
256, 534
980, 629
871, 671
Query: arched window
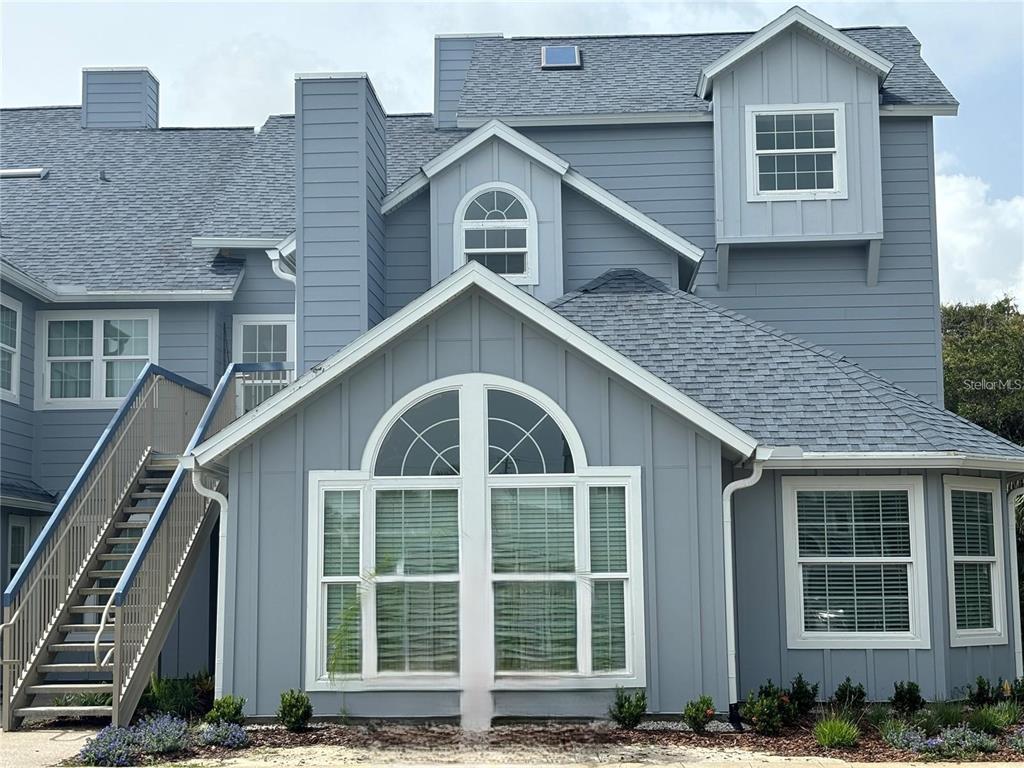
476, 490
496, 226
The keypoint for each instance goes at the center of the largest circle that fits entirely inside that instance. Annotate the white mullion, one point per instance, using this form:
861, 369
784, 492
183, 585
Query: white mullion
584, 582
368, 563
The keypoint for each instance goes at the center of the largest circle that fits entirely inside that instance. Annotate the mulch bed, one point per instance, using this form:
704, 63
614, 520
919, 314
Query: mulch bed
571, 738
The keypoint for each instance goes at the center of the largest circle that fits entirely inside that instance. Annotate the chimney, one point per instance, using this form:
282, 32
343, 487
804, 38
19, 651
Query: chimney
120, 97
452, 55
340, 181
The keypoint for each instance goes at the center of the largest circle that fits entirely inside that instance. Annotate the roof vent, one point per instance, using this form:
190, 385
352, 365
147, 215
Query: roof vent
560, 57
24, 173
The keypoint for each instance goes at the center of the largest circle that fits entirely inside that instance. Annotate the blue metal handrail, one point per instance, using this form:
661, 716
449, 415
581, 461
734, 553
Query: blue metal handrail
151, 369
160, 513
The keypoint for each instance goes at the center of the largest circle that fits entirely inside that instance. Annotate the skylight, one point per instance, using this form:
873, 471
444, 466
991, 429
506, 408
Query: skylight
23, 173
560, 57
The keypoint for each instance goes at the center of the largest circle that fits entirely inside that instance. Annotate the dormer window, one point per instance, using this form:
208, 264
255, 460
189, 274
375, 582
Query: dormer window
496, 226
560, 57
796, 152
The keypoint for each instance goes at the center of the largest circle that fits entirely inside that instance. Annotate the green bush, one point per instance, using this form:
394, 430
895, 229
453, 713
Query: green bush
994, 719
766, 710
1011, 711
172, 696
628, 709
900, 735
959, 742
848, 696
906, 698
295, 710
227, 709
947, 713
982, 693
697, 714
836, 732
802, 696
877, 714
82, 700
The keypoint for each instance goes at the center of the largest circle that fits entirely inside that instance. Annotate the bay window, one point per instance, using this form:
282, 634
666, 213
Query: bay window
91, 359
558, 563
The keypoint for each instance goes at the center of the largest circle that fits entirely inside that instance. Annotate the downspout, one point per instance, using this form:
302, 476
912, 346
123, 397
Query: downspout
1018, 652
222, 544
730, 596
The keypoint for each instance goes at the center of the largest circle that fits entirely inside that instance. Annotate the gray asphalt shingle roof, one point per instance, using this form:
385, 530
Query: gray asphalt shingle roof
778, 388
131, 232
650, 73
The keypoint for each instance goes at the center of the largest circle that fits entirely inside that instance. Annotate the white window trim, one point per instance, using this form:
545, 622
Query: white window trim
43, 401
919, 635
839, 166
238, 322
14, 394
530, 276
997, 635
474, 563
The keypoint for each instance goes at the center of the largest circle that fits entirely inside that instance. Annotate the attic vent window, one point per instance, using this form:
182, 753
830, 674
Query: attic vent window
23, 173
560, 57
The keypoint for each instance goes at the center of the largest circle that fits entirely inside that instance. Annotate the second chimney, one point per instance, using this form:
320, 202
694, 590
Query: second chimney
120, 97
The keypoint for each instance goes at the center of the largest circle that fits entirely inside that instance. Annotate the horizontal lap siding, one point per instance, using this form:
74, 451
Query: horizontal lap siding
17, 420
408, 252
376, 188
262, 292
451, 62
681, 481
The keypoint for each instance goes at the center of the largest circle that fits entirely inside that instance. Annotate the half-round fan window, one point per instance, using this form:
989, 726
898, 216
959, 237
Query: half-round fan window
496, 227
522, 438
424, 441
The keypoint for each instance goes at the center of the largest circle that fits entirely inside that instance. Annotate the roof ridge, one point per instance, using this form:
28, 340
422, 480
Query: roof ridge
650, 35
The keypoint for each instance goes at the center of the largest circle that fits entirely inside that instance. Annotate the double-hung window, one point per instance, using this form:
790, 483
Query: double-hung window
496, 226
10, 348
796, 152
91, 359
262, 339
855, 562
974, 544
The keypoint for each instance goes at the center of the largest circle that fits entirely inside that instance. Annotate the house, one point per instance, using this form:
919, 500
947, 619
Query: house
621, 368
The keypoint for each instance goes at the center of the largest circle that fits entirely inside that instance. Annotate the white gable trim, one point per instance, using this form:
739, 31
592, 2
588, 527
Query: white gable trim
409, 188
812, 24
495, 129
470, 276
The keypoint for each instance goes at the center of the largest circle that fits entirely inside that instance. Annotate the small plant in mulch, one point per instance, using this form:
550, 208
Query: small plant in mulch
1015, 741
227, 709
802, 695
958, 743
295, 711
188, 697
768, 710
849, 696
697, 714
995, 718
222, 734
906, 698
836, 731
628, 709
160, 735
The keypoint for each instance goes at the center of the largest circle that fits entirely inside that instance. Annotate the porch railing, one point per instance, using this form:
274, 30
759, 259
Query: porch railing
158, 414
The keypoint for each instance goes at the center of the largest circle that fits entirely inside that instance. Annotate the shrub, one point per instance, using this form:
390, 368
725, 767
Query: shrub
128, 746
906, 698
161, 734
768, 710
876, 715
926, 720
295, 710
848, 696
1011, 711
900, 735
994, 718
171, 695
982, 693
628, 709
227, 709
697, 714
1015, 741
802, 696
959, 742
1017, 690
223, 734
203, 684
836, 732
947, 713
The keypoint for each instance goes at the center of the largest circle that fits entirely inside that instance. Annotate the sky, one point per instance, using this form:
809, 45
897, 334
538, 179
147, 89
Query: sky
233, 64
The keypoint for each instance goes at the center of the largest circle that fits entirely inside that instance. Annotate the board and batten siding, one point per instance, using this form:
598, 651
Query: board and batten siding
795, 69
17, 420
265, 617
941, 671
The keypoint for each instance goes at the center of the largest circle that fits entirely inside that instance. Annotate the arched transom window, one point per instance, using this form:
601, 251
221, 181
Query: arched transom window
496, 226
476, 528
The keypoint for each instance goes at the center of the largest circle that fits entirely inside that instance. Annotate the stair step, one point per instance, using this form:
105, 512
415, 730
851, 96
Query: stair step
116, 556
154, 480
87, 608
95, 590
163, 461
73, 647
89, 667
71, 687
92, 629
114, 540
42, 712
131, 525
104, 574
147, 495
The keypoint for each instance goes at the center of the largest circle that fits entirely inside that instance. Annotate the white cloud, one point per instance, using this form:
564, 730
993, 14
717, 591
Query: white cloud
981, 239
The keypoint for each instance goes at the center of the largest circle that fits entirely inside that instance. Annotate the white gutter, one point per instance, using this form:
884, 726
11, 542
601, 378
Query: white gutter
1018, 652
235, 242
894, 460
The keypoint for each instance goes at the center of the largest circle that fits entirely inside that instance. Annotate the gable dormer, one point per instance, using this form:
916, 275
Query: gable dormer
797, 152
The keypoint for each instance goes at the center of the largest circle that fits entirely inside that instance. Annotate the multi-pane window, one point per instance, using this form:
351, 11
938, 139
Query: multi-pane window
851, 549
10, 346
496, 229
95, 358
262, 339
974, 533
797, 152
553, 545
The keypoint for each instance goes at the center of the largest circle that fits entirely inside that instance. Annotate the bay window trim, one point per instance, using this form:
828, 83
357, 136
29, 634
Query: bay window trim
997, 635
13, 395
839, 190
919, 635
97, 360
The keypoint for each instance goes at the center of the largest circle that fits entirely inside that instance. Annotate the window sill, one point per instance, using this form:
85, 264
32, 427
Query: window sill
411, 682
91, 404
9, 397
787, 196
859, 641
966, 639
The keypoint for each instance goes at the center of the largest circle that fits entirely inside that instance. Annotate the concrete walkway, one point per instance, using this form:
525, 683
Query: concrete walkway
38, 748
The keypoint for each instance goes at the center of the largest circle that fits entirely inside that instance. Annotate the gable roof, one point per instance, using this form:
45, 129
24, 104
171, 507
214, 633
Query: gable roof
651, 76
130, 232
781, 389
470, 276
794, 17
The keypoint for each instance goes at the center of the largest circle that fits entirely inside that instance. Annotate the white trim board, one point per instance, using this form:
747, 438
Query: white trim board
895, 460
811, 24
13, 395
597, 118
470, 276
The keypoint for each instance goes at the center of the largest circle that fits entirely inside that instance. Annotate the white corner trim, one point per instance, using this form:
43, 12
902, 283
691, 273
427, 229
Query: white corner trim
641, 221
839, 166
472, 275
997, 635
495, 129
409, 188
13, 395
919, 635
530, 276
895, 460
812, 24
1018, 650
